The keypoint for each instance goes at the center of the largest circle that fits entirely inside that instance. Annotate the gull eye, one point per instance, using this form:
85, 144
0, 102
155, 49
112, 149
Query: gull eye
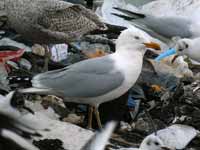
137, 37
186, 45
156, 143
180, 49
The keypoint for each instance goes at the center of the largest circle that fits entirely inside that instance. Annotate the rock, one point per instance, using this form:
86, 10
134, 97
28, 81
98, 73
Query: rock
124, 126
142, 125
38, 50
74, 119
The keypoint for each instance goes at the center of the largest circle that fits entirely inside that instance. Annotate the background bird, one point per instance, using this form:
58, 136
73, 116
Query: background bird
49, 21
153, 143
166, 26
98, 80
176, 136
188, 47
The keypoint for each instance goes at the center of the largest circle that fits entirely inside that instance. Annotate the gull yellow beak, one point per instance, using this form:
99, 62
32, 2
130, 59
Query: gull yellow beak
153, 45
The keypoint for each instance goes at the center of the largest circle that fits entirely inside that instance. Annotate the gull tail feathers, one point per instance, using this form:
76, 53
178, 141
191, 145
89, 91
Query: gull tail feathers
133, 15
99, 140
125, 17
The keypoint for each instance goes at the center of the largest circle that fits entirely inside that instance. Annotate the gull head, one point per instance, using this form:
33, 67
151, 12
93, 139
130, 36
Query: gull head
182, 46
134, 39
153, 142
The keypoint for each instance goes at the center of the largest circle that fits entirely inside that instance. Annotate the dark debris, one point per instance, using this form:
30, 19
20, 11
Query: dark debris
49, 144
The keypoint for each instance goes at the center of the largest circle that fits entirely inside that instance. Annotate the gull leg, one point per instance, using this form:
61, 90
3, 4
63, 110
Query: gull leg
96, 111
90, 113
46, 58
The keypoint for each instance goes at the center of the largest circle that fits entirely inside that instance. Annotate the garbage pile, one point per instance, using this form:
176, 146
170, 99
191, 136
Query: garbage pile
166, 95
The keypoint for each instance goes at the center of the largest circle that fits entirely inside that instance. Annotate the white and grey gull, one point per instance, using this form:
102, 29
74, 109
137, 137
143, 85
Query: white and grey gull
165, 26
188, 47
174, 137
98, 80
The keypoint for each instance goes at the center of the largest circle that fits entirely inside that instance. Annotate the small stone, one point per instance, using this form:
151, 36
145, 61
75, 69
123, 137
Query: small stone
73, 118
38, 50
124, 126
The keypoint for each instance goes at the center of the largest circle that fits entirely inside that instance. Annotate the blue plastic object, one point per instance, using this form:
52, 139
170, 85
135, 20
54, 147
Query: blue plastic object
131, 102
168, 52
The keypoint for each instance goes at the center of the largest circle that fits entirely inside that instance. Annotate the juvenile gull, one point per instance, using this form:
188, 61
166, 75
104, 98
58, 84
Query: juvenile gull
49, 21
101, 79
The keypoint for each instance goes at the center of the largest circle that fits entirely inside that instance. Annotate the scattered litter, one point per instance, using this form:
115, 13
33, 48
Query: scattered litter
59, 52
164, 104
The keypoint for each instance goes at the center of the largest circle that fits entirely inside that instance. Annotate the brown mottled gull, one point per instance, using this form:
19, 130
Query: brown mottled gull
49, 21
